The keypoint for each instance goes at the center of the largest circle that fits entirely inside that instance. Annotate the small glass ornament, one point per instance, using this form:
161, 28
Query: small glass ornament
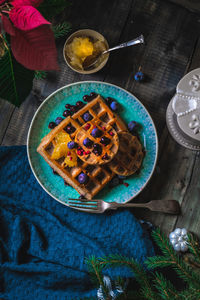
178, 239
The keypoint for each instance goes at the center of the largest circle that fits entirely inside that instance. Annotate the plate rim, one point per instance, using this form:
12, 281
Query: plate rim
82, 82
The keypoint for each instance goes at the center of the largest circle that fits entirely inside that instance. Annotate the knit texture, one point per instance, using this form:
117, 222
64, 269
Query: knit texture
43, 243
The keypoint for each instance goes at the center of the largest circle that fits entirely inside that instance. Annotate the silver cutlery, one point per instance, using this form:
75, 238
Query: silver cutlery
92, 59
99, 206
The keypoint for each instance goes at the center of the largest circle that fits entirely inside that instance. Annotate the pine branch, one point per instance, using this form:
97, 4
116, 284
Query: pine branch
158, 261
140, 275
165, 288
95, 270
189, 294
194, 246
62, 29
181, 268
40, 74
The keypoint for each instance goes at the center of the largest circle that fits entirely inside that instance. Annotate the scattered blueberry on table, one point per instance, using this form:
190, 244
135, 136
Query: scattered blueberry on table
139, 76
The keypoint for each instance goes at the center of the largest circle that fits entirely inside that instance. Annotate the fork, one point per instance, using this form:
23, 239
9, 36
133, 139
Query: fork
99, 206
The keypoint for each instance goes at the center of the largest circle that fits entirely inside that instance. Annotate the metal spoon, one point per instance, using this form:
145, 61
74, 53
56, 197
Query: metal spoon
92, 59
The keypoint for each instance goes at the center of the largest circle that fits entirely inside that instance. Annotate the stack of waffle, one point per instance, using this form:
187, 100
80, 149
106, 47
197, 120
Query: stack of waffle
124, 153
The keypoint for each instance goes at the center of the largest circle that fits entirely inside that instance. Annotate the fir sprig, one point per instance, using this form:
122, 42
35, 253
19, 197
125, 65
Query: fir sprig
165, 288
170, 258
62, 29
153, 284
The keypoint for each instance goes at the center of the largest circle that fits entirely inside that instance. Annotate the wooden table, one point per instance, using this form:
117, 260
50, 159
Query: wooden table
172, 49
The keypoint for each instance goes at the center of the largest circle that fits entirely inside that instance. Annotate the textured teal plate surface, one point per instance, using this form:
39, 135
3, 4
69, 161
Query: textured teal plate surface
131, 109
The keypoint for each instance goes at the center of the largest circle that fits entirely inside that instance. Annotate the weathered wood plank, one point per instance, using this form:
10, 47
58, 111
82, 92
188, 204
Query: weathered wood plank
192, 5
6, 111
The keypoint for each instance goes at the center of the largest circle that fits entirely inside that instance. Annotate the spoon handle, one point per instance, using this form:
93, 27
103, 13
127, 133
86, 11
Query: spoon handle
138, 40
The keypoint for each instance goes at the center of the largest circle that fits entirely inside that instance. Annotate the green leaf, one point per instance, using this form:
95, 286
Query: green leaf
15, 80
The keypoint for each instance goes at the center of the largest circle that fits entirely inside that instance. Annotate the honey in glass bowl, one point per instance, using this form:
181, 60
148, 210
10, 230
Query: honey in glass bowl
82, 44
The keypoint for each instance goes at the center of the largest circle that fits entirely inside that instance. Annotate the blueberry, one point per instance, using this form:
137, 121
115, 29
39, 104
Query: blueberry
86, 98
114, 105
114, 181
87, 142
54, 172
67, 106
105, 157
69, 129
87, 117
66, 113
139, 76
83, 178
97, 149
109, 100
71, 145
52, 125
104, 140
92, 95
96, 132
58, 120
73, 109
132, 125
121, 177
80, 104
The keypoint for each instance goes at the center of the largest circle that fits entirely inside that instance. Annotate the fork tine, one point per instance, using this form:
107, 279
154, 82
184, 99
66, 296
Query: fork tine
71, 202
84, 200
84, 207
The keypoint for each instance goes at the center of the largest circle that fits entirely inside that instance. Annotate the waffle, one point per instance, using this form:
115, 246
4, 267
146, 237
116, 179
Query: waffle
99, 176
98, 109
107, 152
129, 156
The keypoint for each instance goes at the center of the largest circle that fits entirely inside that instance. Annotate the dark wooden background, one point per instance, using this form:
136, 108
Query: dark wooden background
172, 48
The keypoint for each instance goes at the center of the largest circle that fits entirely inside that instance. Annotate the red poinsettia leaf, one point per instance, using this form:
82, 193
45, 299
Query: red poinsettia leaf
7, 25
35, 49
2, 1
34, 3
27, 17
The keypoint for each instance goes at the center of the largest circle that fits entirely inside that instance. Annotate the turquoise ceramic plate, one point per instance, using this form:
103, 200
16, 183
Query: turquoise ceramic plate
131, 109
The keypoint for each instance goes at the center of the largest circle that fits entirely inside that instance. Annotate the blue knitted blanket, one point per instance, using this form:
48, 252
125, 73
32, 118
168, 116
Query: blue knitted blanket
43, 244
